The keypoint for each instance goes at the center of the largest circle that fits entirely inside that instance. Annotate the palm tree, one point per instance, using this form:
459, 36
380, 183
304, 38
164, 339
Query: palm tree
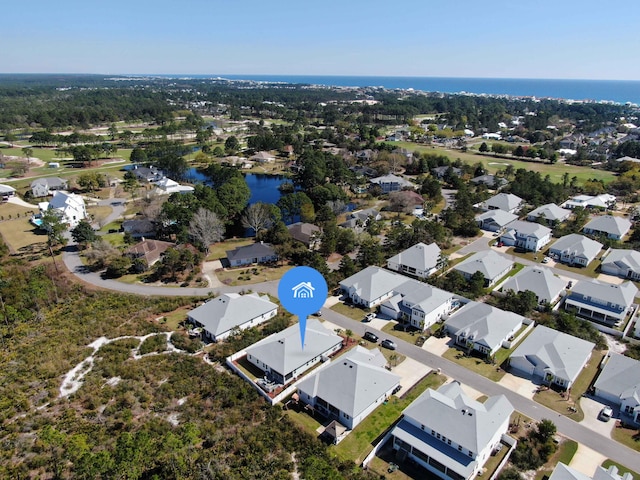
349, 334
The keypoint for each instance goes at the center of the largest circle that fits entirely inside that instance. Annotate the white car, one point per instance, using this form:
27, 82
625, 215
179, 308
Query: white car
606, 413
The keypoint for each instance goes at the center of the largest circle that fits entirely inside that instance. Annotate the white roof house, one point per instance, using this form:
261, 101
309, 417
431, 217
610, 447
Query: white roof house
538, 280
600, 301
263, 157
550, 212
7, 190
491, 264
552, 356
391, 183
282, 357
612, 227
483, 327
503, 201
526, 235
495, 220
564, 472
222, 315
166, 186
575, 249
372, 286
421, 260
623, 263
619, 384
602, 201
69, 205
351, 387
445, 430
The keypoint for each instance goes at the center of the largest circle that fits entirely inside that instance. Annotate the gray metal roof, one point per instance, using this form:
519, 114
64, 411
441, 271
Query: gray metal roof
351, 382
483, 323
499, 217
423, 296
550, 211
578, 245
489, 263
503, 201
373, 282
622, 294
620, 377
231, 310
609, 224
561, 354
538, 280
529, 229
564, 472
421, 256
626, 259
465, 421
283, 353
256, 250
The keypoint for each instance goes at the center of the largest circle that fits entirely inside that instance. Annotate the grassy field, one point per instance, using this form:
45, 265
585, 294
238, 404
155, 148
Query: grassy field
20, 234
555, 171
11, 210
251, 275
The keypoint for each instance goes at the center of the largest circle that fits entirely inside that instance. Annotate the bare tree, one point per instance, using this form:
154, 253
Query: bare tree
206, 228
256, 216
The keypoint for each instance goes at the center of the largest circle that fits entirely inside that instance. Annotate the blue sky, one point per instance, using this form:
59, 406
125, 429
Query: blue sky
463, 38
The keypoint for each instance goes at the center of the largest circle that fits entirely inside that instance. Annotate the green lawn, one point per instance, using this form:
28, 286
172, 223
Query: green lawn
566, 451
478, 365
627, 436
621, 468
355, 313
251, 275
357, 445
19, 234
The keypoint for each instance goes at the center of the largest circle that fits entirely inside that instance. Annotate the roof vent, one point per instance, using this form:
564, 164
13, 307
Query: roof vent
464, 411
470, 413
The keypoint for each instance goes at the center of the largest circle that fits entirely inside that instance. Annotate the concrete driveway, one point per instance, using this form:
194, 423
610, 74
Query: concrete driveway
521, 386
410, 372
591, 409
437, 346
586, 460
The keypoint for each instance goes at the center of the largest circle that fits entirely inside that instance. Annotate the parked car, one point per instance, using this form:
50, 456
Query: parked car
370, 336
386, 343
606, 413
368, 317
318, 313
546, 259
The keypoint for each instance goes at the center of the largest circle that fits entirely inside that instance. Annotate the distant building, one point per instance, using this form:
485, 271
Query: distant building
491, 181
263, 157
7, 191
307, 233
602, 202
391, 183
42, 187
149, 250
550, 213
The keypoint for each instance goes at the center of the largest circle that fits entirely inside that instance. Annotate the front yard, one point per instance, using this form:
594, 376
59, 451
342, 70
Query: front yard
251, 275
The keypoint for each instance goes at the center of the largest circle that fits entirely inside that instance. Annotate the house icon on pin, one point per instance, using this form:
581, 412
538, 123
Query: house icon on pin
303, 290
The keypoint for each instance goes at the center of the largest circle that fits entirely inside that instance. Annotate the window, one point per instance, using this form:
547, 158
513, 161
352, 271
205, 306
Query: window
433, 432
448, 441
459, 448
438, 435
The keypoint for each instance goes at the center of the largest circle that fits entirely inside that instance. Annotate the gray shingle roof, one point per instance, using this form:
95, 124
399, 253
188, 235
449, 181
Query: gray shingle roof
620, 377
578, 245
503, 201
231, 310
421, 256
283, 353
540, 281
483, 324
489, 263
529, 229
500, 217
350, 382
623, 258
550, 211
561, 354
609, 224
622, 294
256, 250
373, 282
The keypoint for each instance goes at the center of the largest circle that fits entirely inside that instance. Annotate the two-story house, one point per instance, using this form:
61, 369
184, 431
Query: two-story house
602, 302
619, 384
420, 260
526, 235
575, 249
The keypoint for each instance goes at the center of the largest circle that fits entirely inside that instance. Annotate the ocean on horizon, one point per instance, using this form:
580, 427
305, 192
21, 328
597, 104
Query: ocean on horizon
619, 91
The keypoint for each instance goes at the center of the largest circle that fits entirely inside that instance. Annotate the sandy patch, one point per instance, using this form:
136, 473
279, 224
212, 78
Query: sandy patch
586, 460
522, 386
410, 372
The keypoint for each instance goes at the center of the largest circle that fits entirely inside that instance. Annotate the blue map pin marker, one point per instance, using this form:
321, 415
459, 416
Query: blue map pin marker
302, 291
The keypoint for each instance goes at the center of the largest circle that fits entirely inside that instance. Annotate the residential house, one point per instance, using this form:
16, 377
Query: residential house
628, 159
623, 263
418, 305
619, 384
575, 249
7, 191
263, 157
166, 186
229, 312
147, 174
42, 187
371, 286
602, 202
600, 301
143, 228
421, 260
250, 254
526, 235
450, 434
391, 183
69, 206
442, 172
503, 201
351, 387
539, 280
360, 218
307, 233
491, 181
491, 264
495, 220
149, 250
551, 356
550, 213
282, 357
483, 328
564, 472
613, 227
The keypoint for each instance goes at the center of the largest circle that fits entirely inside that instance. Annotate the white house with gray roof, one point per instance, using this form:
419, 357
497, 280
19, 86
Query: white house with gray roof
483, 328
351, 387
575, 249
539, 280
551, 356
391, 183
526, 235
421, 260
622, 263
495, 220
603, 302
69, 206
250, 254
450, 434
619, 384
564, 472
281, 356
41, 187
602, 202
372, 286
491, 264
551, 213
608, 225
507, 202
221, 316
